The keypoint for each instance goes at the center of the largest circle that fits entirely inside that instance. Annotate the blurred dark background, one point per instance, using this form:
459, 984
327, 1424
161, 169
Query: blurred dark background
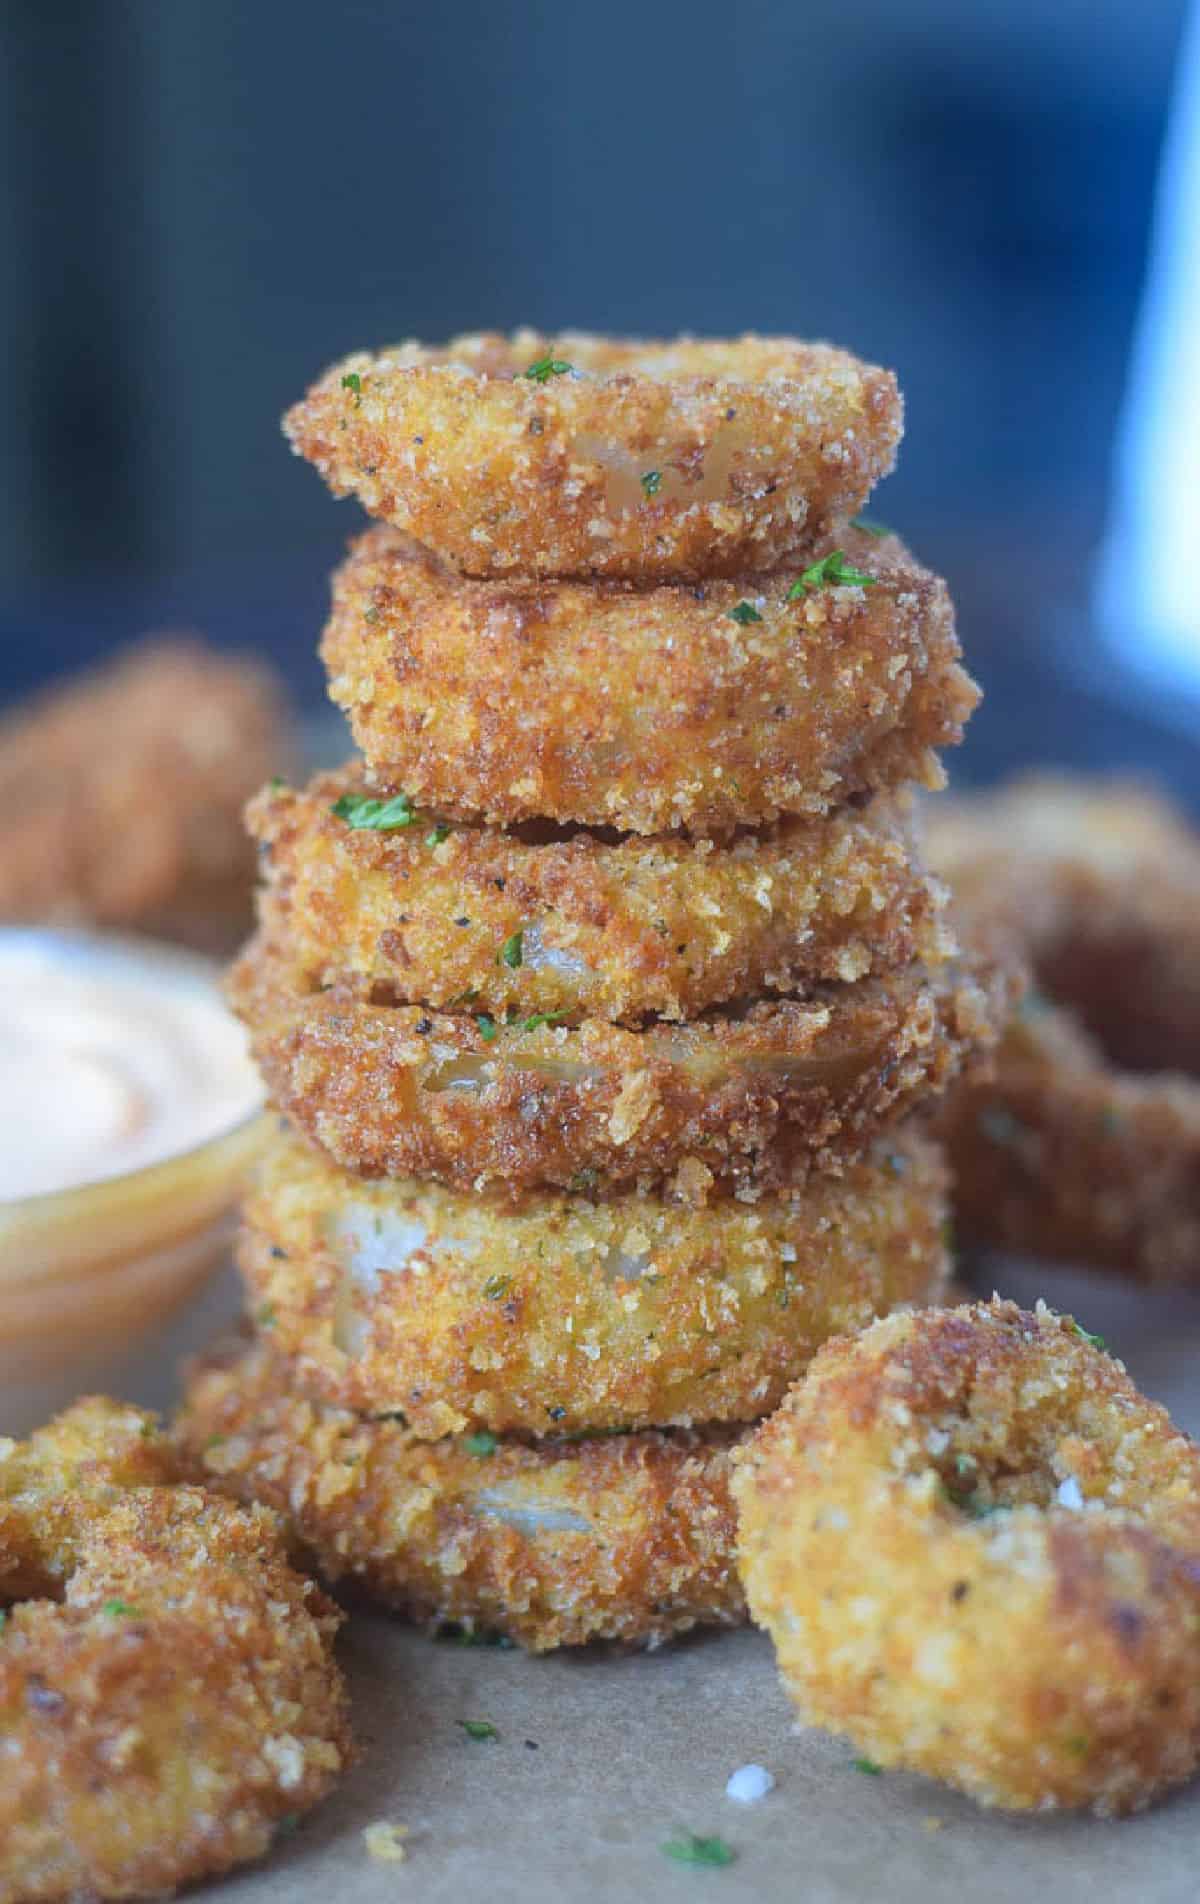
203, 204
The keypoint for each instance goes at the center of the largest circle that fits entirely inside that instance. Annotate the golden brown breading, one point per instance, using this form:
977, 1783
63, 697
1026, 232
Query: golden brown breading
1101, 878
170, 1698
705, 708
563, 1315
1060, 1154
751, 1097
977, 1549
684, 458
621, 1537
583, 925
121, 794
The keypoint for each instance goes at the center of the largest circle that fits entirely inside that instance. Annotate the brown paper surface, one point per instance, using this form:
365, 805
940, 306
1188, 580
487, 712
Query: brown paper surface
601, 1759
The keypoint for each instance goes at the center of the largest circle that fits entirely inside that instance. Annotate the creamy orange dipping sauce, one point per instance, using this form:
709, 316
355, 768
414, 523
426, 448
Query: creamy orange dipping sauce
113, 1056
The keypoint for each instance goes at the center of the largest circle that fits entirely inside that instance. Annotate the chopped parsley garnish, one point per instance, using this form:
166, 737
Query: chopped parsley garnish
547, 367
487, 1026
495, 1287
652, 481
1078, 1745
478, 1728
879, 530
276, 782
693, 1850
119, 1609
265, 1317
832, 571
480, 1443
1097, 1341
744, 613
437, 834
374, 816
511, 951
867, 1765
536, 1020
3, 1619
353, 382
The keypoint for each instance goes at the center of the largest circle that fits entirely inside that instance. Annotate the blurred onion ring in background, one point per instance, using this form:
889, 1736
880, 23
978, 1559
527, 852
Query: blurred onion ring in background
752, 1097
582, 455
565, 1316
555, 1543
576, 925
976, 1547
168, 1696
705, 708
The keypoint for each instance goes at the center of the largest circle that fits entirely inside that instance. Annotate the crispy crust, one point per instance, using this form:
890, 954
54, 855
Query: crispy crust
647, 709
617, 929
752, 1098
1101, 878
565, 1316
169, 1697
1037, 1656
756, 442
1062, 1155
626, 1537
1065, 1153
121, 794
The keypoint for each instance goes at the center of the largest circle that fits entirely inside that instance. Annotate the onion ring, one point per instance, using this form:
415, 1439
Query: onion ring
620, 1537
564, 1316
707, 708
977, 1549
583, 926
615, 457
168, 1698
751, 1098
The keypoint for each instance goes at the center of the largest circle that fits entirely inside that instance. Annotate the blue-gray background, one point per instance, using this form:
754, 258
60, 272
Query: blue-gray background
202, 203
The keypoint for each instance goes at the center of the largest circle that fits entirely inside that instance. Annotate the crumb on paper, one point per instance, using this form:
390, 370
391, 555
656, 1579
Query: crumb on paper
385, 1842
749, 1784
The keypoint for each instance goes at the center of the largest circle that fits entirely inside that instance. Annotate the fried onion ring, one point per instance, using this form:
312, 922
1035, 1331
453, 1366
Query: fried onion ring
565, 1316
976, 1547
1064, 1152
168, 1696
620, 1537
751, 1097
584, 926
644, 460
707, 708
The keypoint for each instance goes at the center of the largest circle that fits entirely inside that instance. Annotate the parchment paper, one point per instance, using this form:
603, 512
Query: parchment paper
600, 1759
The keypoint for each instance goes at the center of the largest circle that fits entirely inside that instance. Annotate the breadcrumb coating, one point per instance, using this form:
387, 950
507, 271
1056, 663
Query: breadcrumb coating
564, 1315
121, 794
751, 1097
168, 1696
976, 1547
620, 1537
706, 708
584, 925
689, 458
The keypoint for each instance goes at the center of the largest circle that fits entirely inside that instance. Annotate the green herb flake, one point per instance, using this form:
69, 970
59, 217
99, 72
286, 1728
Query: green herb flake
547, 367
481, 1443
652, 481
536, 1020
119, 1610
496, 1286
478, 1728
364, 815
744, 613
276, 783
265, 1317
832, 571
1096, 1341
437, 834
868, 1766
693, 1850
511, 951
487, 1026
353, 382
879, 530
3, 1619
1077, 1745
